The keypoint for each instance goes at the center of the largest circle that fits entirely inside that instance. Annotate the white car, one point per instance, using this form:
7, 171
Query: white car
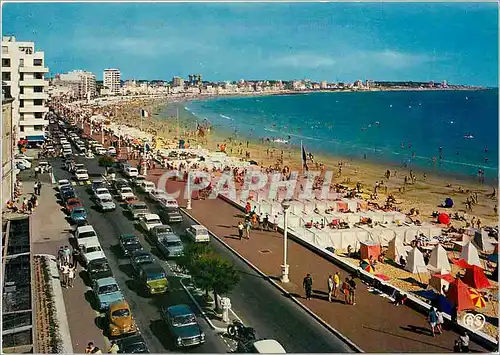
75, 167
157, 195
82, 174
22, 163
136, 181
89, 155
23, 156
84, 232
131, 172
198, 233
111, 151
146, 186
126, 192
150, 221
102, 191
168, 202
101, 151
90, 249
62, 183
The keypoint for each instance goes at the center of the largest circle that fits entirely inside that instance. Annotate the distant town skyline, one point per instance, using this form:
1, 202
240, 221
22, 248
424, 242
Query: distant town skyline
457, 42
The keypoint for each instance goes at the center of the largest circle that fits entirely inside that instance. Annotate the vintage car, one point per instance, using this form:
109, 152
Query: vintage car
183, 325
82, 174
125, 192
83, 232
105, 202
146, 186
106, 292
149, 221
133, 344
171, 246
198, 233
137, 210
170, 214
157, 194
139, 258
90, 249
120, 319
262, 346
73, 203
153, 278
158, 232
129, 243
66, 194
78, 216
62, 183
99, 269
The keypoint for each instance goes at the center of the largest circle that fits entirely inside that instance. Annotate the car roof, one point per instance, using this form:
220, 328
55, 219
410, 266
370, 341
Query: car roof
90, 242
198, 226
128, 236
268, 346
106, 281
62, 180
141, 253
138, 203
87, 228
172, 238
151, 216
118, 305
73, 199
153, 268
147, 182
77, 209
163, 226
179, 310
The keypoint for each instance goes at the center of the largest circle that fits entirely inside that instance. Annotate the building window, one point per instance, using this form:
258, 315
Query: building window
21, 103
21, 62
38, 128
38, 102
37, 62
38, 115
21, 90
38, 76
21, 77
21, 128
5, 50
5, 63
21, 117
38, 89
6, 76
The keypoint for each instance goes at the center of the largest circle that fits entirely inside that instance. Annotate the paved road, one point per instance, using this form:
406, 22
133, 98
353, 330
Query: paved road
145, 310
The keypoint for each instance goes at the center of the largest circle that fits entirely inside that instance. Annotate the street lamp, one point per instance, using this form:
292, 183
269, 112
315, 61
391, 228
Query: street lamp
285, 267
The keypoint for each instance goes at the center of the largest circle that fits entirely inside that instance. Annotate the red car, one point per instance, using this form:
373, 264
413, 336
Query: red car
72, 203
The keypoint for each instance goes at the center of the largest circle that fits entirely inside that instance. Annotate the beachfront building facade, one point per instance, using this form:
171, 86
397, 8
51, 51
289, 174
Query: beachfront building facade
82, 82
111, 81
23, 72
177, 81
8, 146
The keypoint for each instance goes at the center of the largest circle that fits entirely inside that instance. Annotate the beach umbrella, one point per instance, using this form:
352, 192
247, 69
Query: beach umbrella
448, 203
367, 266
443, 218
477, 298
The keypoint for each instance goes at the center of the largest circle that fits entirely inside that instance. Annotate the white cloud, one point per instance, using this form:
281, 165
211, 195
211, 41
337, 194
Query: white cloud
304, 60
398, 60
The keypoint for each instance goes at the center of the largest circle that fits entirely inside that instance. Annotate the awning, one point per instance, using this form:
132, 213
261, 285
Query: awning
35, 138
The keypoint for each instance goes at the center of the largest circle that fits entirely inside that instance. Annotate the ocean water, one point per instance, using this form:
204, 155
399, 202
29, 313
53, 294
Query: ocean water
459, 129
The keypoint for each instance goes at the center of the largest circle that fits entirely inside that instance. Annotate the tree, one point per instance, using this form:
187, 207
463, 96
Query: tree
106, 161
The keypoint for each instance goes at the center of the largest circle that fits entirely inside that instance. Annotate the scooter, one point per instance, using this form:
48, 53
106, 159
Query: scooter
238, 330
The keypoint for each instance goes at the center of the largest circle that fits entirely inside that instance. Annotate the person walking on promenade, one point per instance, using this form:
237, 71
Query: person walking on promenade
336, 284
65, 274
440, 321
67, 254
60, 257
30, 206
90, 347
71, 275
308, 284
247, 228
352, 291
114, 348
39, 188
35, 188
266, 222
96, 350
240, 229
24, 205
345, 290
261, 221
464, 342
432, 319
275, 223
331, 284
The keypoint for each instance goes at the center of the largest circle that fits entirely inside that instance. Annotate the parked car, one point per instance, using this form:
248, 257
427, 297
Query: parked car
168, 202
134, 344
130, 172
66, 194
150, 221
105, 203
170, 215
111, 151
72, 203
153, 278
170, 246
106, 292
125, 192
183, 325
22, 164
117, 184
158, 232
138, 209
157, 194
62, 183
83, 232
198, 233
120, 320
78, 216
146, 186
101, 191
140, 257
137, 180
90, 249
81, 174
131, 200
98, 184
129, 243
98, 269
76, 167
23, 156
262, 346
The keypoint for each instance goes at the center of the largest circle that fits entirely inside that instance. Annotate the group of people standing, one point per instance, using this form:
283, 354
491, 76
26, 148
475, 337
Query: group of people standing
67, 266
348, 288
255, 221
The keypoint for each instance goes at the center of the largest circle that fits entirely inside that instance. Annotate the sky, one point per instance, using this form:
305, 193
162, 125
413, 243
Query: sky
457, 42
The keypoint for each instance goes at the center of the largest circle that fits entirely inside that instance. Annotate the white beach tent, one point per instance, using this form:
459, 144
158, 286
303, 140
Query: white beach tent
415, 262
439, 259
482, 241
470, 255
437, 283
396, 250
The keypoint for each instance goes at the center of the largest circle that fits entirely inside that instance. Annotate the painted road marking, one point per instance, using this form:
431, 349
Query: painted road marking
81, 183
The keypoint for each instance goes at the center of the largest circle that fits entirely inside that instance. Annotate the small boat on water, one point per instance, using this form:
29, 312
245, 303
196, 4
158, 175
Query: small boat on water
280, 140
468, 136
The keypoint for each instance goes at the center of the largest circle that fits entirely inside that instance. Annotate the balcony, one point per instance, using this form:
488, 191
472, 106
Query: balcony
33, 69
34, 82
32, 109
34, 96
34, 122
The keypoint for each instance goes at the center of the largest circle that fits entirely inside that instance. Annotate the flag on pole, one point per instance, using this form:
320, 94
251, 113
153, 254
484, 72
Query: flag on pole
144, 114
304, 157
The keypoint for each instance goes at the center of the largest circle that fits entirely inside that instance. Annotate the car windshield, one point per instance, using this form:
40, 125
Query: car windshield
82, 171
86, 234
139, 207
69, 193
121, 313
126, 189
144, 259
99, 266
93, 249
163, 230
158, 276
130, 241
171, 244
201, 232
78, 211
108, 289
184, 320
153, 221
73, 202
102, 191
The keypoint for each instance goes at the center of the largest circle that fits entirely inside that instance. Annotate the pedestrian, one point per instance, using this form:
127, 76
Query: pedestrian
336, 284
240, 229
345, 290
440, 321
114, 348
30, 206
60, 257
89, 348
432, 319
24, 205
464, 342
261, 221
39, 188
65, 273
330, 287
35, 188
266, 222
308, 284
247, 228
67, 254
457, 348
352, 291
71, 275
96, 350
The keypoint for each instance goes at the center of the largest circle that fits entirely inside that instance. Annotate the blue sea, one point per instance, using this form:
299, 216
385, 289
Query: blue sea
449, 131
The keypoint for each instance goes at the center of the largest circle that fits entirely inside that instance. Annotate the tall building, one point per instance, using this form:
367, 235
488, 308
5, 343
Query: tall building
111, 80
177, 81
82, 82
23, 72
8, 171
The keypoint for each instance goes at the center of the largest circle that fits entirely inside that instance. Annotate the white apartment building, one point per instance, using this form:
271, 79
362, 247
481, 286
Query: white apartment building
111, 78
83, 82
23, 72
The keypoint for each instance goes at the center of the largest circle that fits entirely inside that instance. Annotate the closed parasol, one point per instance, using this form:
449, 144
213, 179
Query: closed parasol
366, 265
477, 298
